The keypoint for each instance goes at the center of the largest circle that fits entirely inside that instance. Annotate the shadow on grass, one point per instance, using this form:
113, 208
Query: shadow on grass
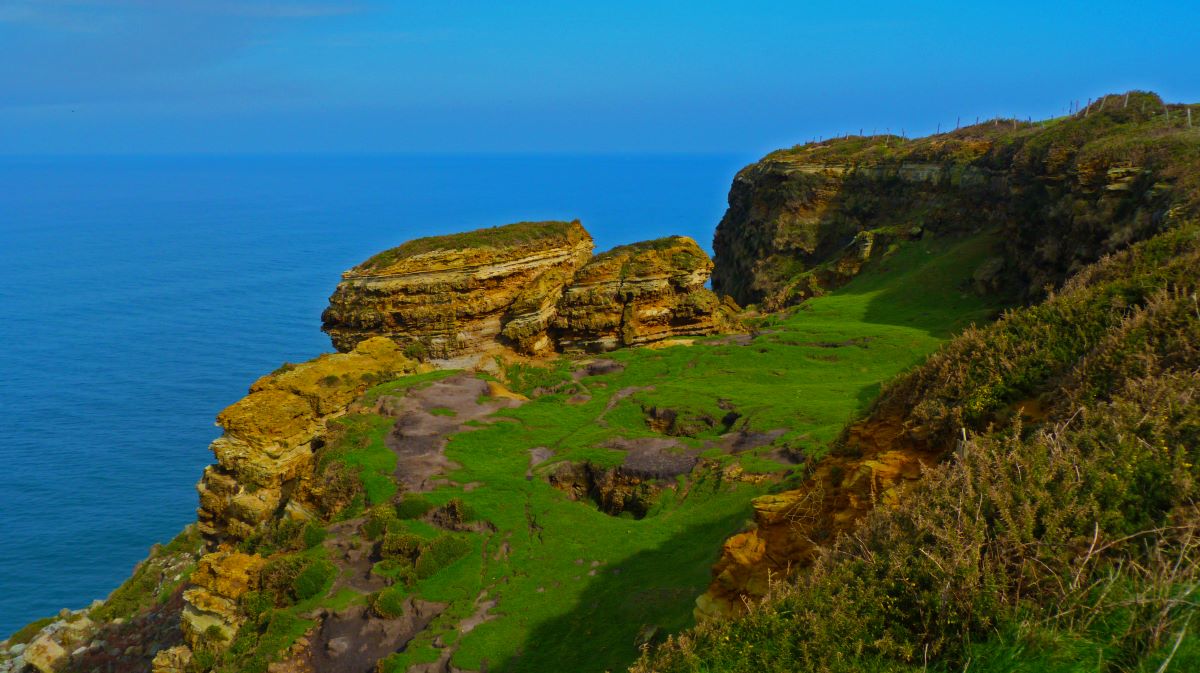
928, 285
653, 589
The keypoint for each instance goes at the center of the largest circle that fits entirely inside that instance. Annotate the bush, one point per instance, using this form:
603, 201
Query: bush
313, 535
413, 507
292, 578
400, 572
314, 580
389, 603
403, 547
441, 552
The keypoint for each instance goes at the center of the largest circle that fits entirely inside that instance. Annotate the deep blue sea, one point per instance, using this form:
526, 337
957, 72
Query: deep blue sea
139, 296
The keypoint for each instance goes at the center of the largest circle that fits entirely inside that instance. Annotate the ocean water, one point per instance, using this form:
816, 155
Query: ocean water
139, 296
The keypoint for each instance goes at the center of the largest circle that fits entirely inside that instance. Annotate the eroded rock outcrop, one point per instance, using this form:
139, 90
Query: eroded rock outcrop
267, 445
449, 295
211, 603
641, 293
532, 287
805, 220
885, 458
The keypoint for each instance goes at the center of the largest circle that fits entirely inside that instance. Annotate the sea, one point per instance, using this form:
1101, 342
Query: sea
141, 295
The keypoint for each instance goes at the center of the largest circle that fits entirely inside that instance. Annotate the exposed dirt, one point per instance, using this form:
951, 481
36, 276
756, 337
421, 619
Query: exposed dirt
419, 436
537, 456
354, 639
598, 368
616, 399
654, 457
743, 440
353, 556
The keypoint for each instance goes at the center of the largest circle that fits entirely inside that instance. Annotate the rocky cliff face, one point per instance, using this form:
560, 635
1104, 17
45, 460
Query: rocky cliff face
641, 293
1062, 193
267, 446
449, 295
530, 287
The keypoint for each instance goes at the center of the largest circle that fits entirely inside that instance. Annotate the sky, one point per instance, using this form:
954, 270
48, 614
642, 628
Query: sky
512, 76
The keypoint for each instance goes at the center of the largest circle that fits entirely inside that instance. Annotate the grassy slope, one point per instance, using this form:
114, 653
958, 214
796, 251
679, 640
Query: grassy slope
559, 611
1070, 546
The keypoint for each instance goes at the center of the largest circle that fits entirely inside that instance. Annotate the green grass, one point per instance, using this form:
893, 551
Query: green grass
543, 234
405, 383
359, 443
576, 588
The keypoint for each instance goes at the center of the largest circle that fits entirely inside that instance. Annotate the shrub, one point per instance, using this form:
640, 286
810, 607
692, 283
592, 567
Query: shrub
413, 507
288, 579
441, 552
389, 603
403, 547
313, 535
379, 519
314, 579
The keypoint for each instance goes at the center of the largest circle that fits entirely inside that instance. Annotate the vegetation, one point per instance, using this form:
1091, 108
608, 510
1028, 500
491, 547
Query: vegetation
154, 579
519, 235
1070, 546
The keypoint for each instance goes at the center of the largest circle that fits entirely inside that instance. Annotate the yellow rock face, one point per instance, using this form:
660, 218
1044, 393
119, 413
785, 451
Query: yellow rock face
46, 655
640, 294
220, 579
533, 293
790, 526
463, 293
269, 433
172, 660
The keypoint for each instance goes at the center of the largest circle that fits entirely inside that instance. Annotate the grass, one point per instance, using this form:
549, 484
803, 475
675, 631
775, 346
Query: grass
521, 234
1069, 544
359, 443
578, 589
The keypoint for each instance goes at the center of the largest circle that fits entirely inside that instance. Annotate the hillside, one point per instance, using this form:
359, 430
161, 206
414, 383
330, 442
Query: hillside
957, 428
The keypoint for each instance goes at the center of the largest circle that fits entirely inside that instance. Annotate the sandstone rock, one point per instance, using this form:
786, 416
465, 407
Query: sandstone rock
452, 294
219, 580
529, 287
638, 294
790, 527
46, 655
269, 433
174, 660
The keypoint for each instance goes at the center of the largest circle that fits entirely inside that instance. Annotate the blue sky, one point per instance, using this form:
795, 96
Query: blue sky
266, 76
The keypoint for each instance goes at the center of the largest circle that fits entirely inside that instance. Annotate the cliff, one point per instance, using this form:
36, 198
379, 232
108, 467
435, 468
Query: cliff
269, 436
1062, 193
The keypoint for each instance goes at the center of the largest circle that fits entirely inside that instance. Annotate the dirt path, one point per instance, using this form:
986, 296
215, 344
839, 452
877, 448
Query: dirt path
425, 419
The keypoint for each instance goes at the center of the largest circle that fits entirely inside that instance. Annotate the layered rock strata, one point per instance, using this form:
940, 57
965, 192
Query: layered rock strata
530, 287
448, 295
211, 603
269, 436
804, 220
641, 293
